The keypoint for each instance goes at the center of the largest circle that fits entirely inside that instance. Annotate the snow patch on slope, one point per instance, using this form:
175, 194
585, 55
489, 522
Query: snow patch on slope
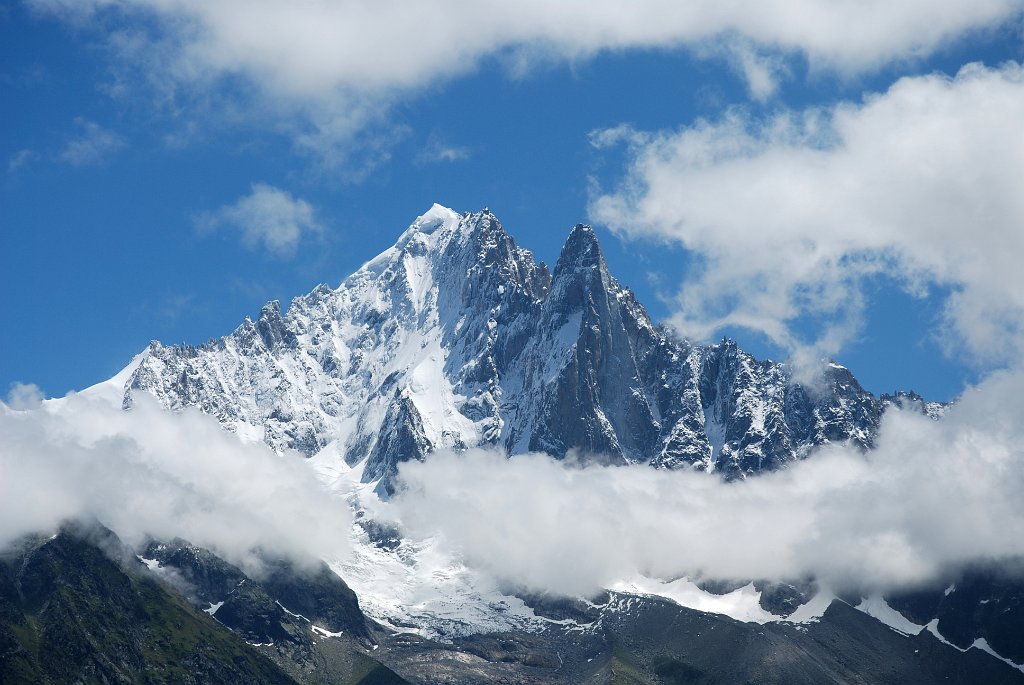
741, 604
980, 643
877, 607
812, 611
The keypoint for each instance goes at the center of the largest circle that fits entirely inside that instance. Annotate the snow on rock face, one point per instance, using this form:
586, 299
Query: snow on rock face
401, 359
456, 337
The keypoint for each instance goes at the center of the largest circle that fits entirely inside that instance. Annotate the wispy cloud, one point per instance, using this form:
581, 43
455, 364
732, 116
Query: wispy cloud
20, 159
173, 306
267, 217
762, 70
28, 77
437, 150
92, 145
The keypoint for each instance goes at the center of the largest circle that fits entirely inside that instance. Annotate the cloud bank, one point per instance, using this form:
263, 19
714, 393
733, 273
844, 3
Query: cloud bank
150, 472
934, 495
793, 215
327, 69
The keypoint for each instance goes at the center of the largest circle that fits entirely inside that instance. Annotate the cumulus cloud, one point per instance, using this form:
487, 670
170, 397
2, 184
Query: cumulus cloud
91, 146
932, 496
794, 214
337, 65
150, 472
23, 396
268, 216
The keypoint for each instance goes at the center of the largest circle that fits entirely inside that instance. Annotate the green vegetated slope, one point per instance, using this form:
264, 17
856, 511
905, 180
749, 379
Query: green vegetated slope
71, 613
80, 608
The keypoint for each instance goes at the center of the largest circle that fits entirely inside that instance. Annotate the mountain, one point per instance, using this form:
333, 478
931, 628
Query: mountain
453, 338
456, 337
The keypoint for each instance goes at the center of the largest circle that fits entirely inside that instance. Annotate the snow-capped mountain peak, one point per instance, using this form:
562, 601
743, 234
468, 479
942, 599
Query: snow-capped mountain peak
456, 337
435, 218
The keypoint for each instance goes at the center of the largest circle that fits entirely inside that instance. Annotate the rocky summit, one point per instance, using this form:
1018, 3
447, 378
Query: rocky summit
456, 337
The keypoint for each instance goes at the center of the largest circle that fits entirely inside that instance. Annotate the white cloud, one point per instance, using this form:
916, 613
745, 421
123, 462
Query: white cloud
268, 216
921, 183
337, 65
152, 472
92, 146
24, 396
761, 72
761, 67
437, 150
932, 496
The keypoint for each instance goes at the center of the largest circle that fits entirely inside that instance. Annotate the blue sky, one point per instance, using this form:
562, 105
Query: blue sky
144, 146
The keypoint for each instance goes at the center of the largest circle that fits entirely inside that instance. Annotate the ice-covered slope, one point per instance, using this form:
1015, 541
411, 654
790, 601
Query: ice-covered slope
456, 337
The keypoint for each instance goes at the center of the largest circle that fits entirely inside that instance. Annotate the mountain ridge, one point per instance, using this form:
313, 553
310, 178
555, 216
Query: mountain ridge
457, 337
80, 606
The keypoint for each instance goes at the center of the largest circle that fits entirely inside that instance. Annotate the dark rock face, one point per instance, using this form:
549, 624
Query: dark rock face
782, 599
597, 401
984, 602
401, 439
456, 338
317, 593
261, 607
207, 578
252, 613
844, 646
